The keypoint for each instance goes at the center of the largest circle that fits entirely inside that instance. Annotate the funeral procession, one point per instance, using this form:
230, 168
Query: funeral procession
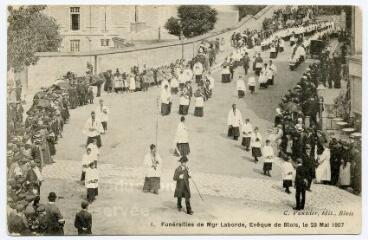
183, 119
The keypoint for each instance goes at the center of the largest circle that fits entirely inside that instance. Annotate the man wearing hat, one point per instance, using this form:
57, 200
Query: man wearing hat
83, 220
182, 190
54, 219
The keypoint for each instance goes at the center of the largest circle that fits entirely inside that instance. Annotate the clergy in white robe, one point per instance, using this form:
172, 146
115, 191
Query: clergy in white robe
271, 73
153, 165
174, 85
93, 129
182, 139
198, 71
234, 122
184, 101
323, 170
188, 73
91, 182
287, 174
225, 73
86, 161
182, 78
165, 101
281, 45
102, 114
211, 79
252, 84
240, 87
95, 153
247, 130
263, 78
199, 102
269, 156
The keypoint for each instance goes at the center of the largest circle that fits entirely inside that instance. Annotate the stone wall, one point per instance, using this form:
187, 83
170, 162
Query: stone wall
52, 66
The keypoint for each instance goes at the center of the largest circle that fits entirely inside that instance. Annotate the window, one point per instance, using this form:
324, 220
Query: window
74, 45
74, 18
105, 42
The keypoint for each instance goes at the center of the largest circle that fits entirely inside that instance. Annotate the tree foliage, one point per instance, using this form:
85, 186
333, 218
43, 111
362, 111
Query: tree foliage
245, 10
30, 31
193, 20
173, 26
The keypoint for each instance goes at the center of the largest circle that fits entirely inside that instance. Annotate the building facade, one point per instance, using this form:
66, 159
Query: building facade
355, 64
93, 27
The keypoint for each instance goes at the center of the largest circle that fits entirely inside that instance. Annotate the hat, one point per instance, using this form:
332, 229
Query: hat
52, 196
183, 159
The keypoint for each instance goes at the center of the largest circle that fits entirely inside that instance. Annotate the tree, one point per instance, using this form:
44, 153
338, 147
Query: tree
30, 31
173, 26
245, 10
193, 20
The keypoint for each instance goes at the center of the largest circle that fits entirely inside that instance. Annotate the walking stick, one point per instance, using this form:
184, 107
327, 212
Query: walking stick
195, 185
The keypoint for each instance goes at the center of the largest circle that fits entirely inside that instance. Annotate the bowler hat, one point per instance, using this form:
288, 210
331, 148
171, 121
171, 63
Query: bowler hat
52, 196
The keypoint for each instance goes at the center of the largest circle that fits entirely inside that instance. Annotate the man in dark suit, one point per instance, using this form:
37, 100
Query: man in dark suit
301, 183
54, 219
309, 165
182, 190
83, 220
246, 61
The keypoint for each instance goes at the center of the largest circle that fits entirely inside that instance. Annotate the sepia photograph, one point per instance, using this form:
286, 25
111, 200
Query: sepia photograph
183, 119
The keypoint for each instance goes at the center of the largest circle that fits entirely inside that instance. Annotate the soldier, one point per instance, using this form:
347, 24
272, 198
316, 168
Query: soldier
182, 190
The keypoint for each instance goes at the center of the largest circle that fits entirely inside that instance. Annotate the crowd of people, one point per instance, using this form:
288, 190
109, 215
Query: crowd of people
31, 145
32, 141
141, 78
306, 151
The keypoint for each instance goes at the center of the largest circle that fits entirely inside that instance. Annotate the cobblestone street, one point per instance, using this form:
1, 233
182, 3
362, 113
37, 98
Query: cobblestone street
224, 173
